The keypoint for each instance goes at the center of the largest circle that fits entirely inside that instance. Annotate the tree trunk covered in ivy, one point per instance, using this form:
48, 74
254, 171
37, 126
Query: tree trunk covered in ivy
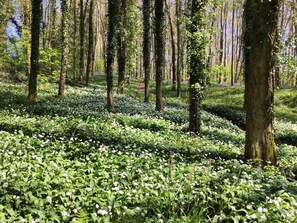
26, 20
197, 54
35, 34
146, 47
122, 46
259, 38
64, 9
91, 42
74, 51
111, 45
81, 43
221, 52
159, 50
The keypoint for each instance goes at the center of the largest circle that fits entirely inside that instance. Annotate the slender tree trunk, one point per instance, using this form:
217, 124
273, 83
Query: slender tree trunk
91, 42
74, 53
196, 51
49, 30
211, 40
238, 50
64, 9
225, 41
259, 39
159, 51
81, 39
179, 47
122, 47
27, 34
111, 44
35, 33
173, 53
146, 47
232, 45
221, 52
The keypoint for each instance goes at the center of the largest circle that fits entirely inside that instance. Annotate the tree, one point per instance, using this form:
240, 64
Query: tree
159, 50
35, 33
178, 9
111, 44
232, 46
122, 45
26, 32
197, 53
173, 53
81, 41
64, 9
74, 39
146, 47
91, 41
259, 37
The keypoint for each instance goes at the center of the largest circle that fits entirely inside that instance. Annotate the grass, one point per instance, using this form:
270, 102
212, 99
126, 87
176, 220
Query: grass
68, 160
233, 97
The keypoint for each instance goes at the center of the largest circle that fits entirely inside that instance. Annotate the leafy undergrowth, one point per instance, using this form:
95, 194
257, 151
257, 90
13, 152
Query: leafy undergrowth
68, 160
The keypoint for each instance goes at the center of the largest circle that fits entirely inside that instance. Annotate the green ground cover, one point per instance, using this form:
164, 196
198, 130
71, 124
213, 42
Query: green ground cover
68, 160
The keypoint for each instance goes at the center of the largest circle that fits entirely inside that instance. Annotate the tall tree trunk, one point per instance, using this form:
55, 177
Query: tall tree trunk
173, 53
238, 50
260, 33
64, 9
159, 51
146, 47
221, 52
232, 45
35, 34
197, 56
179, 46
74, 53
26, 30
122, 47
81, 43
111, 44
49, 30
91, 42
225, 41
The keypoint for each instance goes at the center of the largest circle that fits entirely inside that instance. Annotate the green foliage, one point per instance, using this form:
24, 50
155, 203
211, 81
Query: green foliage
50, 62
71, 161
13, 58
131, 35
217, 70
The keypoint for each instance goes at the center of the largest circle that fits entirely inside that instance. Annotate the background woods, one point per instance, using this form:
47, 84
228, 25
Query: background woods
148, 111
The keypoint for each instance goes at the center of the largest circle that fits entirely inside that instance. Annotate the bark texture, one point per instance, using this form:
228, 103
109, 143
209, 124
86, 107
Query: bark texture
146, 47
111, 44
259, 39
64, 9
122, 46
35, 34
159, 50
196, 50
91, 42
81, 41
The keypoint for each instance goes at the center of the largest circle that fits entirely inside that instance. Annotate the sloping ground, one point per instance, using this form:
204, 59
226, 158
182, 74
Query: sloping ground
227, 102
70, 161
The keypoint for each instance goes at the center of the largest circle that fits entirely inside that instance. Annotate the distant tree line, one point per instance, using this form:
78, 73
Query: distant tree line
203, 41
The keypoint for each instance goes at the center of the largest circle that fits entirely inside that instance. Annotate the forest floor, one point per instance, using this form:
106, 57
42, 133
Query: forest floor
68, 160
